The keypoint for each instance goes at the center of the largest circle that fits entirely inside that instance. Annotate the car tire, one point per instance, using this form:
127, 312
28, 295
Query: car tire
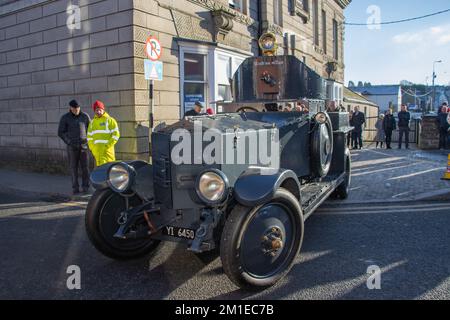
322, 149
101, 226
343, 190
239, 233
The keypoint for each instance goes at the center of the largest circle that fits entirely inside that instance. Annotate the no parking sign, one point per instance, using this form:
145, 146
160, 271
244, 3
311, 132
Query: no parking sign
153, 49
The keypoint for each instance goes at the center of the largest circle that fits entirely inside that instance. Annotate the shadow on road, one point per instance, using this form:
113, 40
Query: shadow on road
408, 241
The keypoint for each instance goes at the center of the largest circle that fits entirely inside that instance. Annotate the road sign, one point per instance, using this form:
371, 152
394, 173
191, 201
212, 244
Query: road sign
153, 70
153, 49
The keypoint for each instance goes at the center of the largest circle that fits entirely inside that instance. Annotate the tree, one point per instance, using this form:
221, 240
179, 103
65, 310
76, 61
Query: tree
351, 84
360, 84
406, 83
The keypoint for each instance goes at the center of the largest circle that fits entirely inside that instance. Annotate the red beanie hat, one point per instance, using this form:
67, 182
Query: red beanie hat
98, 104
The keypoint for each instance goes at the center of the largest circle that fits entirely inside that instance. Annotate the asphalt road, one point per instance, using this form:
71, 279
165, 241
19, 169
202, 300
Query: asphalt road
39, 239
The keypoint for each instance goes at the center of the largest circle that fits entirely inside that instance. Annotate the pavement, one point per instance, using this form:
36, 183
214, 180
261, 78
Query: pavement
378, 176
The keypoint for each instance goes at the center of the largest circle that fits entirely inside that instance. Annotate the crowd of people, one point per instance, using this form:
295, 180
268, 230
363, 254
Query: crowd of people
387, 124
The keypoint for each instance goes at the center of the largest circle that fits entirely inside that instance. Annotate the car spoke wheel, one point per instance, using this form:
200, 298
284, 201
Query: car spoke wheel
259, 245
102, 222
322, 149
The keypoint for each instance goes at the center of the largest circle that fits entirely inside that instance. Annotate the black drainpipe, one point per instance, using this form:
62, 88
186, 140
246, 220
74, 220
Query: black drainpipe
260, 24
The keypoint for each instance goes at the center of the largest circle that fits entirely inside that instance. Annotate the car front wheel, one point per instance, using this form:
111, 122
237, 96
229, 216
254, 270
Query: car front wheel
102, 216
259, 245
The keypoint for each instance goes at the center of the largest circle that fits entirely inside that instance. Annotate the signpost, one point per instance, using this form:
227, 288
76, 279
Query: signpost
153, 70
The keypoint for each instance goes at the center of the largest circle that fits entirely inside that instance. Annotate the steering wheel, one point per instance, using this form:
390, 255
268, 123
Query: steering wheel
246, 109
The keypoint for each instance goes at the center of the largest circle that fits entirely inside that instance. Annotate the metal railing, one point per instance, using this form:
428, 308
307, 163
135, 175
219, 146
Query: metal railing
371, 131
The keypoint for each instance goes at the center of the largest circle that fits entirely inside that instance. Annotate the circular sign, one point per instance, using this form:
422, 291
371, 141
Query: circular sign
153, 49
268, 43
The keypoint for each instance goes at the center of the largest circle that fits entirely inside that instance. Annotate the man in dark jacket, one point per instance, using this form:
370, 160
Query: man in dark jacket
358, 120
73, 131
443, 126
389, 125
197, 111
404, 118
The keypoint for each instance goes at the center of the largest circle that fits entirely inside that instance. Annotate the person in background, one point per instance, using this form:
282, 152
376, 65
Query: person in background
300, 107
197, 111
288, 108
389, 125
359, 119
72, 130
271, 107
103, 134
443, 126
350, 140
404, 118
444, 105
381, 136
332, 106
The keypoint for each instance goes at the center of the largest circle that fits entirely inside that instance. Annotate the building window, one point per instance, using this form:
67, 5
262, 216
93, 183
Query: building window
316, 21
223, 78
194, 81
335, 40
324, 31
278, 12
305, 4
236, 5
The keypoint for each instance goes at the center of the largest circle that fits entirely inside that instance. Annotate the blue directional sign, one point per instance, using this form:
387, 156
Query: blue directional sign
153, 70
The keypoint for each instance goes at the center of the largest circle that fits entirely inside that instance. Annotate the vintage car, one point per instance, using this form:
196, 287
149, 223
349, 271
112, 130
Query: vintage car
249, 210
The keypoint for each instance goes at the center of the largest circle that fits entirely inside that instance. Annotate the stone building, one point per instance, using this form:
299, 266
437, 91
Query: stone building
55, 51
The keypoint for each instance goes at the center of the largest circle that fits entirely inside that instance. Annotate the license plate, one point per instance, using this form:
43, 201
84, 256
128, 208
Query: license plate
179, 232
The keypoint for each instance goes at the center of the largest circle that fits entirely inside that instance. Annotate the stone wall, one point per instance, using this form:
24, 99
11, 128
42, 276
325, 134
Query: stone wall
429, 133
44, 64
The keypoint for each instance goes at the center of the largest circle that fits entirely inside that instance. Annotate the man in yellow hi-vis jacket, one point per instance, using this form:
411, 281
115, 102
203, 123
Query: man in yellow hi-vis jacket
103, 134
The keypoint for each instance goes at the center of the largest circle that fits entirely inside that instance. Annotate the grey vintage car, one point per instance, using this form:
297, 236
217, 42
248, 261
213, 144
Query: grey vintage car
249, 210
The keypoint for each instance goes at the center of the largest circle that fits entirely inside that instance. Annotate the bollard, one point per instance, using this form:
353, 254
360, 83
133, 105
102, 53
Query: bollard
447, 173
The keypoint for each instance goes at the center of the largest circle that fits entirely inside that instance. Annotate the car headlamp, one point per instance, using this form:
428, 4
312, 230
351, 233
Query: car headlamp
321, 118
119, 177
212, 187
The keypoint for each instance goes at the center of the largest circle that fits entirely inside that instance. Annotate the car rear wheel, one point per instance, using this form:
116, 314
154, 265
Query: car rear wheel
343, 190
259, 244
102, 215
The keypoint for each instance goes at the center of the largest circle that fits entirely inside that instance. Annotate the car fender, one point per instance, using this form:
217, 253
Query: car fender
257, 186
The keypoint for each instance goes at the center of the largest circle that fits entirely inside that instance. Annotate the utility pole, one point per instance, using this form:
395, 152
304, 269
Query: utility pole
433, 102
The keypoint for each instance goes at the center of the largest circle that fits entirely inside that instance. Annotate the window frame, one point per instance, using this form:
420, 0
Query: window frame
324, 31
211, 54
335, 40
315, 16
278, 12
198, 50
